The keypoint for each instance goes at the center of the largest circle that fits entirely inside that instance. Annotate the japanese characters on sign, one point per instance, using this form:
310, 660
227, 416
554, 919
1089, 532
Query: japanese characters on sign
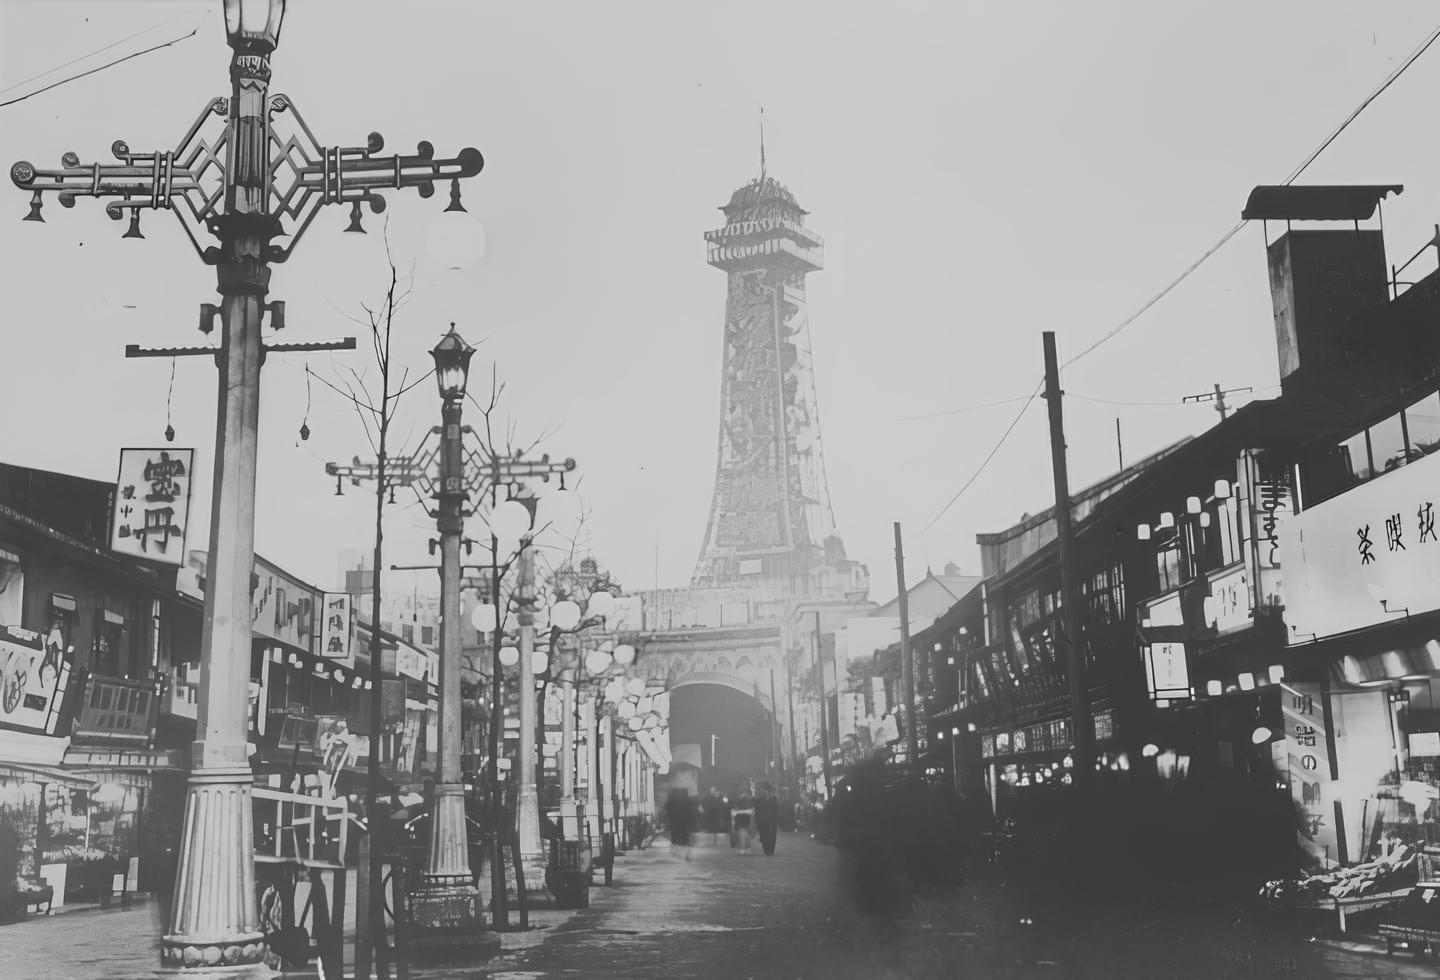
1309, 763
335, 627
1167, 672
152, 504
1229, 606
1357, 559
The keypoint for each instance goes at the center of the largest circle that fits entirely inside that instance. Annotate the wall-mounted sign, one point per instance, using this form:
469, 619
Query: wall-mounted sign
1164, 612
1308, 752
1230, 605
33, 675
1167, 672
336, 628
152, 504
1361, 558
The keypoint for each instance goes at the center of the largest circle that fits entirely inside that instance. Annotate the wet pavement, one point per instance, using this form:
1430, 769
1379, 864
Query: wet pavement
723, 914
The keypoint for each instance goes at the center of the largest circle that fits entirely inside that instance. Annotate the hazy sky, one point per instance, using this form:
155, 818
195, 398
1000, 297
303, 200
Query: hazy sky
980, 172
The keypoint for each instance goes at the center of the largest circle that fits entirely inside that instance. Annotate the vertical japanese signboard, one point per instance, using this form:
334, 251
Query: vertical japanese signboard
152, 504
336, 630
1309, 755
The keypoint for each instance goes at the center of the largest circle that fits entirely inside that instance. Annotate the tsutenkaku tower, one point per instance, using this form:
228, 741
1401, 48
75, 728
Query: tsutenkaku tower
771, 527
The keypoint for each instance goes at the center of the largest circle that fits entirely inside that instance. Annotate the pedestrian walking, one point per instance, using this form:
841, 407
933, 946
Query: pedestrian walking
680, 814
767, 818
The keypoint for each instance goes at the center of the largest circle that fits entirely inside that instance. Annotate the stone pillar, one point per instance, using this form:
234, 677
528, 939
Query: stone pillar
527, 810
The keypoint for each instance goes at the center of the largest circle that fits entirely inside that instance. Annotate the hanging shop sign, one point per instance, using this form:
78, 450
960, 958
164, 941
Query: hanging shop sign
152, 504
337, 629
1230, 605
1265, 498
1167, 671
1309, 763
1363, 557
33, 677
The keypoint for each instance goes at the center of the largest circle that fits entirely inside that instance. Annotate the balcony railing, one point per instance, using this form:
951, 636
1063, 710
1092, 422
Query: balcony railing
119, 709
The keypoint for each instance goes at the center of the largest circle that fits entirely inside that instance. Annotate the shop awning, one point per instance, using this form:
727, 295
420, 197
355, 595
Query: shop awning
46, 774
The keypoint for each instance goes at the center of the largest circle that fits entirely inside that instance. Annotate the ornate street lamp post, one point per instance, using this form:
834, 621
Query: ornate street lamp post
447, 897
245, 187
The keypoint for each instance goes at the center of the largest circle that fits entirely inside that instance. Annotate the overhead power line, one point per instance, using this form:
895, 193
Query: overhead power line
1013, 422
92, 71
1294, 174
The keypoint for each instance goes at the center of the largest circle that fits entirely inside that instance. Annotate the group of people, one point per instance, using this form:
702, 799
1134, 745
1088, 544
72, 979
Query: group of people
748, 815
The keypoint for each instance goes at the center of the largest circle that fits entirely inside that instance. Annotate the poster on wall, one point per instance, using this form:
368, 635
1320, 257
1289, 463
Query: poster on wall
336, 628
33, 674
152, 504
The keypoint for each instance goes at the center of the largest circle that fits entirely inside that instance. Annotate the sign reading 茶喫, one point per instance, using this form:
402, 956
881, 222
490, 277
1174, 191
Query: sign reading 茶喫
336, 628
152, 504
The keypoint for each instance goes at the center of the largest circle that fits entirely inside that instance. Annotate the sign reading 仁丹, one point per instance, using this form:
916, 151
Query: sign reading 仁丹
152, 504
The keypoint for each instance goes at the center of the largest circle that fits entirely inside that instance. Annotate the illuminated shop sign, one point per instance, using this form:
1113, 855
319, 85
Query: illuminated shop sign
1363, 557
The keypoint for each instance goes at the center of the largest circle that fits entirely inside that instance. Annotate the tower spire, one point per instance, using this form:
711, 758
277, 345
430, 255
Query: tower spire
762, 144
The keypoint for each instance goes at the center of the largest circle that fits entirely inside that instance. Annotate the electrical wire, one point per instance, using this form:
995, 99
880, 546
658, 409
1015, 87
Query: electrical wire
1294, 174
957, 411
986, 462
92, 71
112, 44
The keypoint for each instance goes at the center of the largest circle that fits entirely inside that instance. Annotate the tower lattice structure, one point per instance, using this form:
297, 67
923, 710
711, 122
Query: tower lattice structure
771, 528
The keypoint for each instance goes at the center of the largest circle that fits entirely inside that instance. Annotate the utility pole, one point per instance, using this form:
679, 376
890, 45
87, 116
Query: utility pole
1218, 397
907, 668
824, 709
1084, 736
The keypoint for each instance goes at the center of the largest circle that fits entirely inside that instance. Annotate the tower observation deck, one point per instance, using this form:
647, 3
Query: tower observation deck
771, 528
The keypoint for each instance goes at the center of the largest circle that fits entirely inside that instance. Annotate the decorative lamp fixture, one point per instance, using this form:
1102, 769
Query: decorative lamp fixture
1142, 532
509, 656
253, 26
1192, 505
509, 520
636, 723
339, 675
357, 682
625, 709
1261, 735
597, 661
453, 238
482, 617
651, 721
970, 726
1214, 688
635, 685
564, 615
452, 365
644, 704
601, 604
1246, 680
1167, 520
1150, 751
539, 662
955, 730
1277, 673
1205, 519
1222, 489
624, 654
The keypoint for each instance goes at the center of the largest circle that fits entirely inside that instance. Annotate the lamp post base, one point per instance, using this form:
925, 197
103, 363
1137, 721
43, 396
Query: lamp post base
446, 923
215, 920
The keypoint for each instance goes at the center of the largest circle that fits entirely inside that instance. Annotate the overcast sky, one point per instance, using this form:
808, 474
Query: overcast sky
980, 172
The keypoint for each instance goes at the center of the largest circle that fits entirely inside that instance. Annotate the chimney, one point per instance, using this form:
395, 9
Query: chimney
1328, 286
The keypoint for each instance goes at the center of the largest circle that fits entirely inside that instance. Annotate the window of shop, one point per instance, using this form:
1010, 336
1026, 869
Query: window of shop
1422, 426
427, 635
109, 644
1387, 444
12, 589
1169, 564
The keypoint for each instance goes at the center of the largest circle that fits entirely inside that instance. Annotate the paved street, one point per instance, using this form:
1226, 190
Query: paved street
727, 915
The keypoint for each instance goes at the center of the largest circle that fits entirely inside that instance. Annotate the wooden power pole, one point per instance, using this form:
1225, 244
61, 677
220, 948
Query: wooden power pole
1081, 731
907, 668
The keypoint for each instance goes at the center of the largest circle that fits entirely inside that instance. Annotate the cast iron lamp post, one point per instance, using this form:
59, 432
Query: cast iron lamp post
447, 896
229, 185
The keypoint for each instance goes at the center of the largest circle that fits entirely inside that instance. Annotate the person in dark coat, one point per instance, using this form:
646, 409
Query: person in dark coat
680, 814
767, 817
